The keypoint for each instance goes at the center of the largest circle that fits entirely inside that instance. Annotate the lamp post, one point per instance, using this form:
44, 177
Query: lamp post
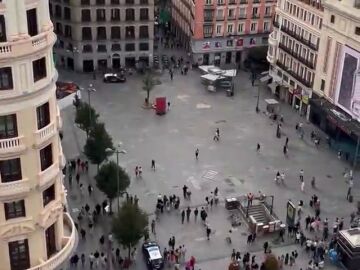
117, 151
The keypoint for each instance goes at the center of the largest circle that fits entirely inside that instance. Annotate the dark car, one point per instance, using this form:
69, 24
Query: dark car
152, 255
114, 78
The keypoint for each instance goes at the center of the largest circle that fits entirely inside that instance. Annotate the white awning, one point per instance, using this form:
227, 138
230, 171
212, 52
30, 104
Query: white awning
271, 101
273, 86
265, 78
211, 77
206, 68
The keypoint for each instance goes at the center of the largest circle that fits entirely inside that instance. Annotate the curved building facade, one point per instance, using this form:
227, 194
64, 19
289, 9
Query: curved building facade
35, 233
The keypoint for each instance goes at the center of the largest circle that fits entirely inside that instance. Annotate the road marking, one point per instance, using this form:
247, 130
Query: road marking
210, 175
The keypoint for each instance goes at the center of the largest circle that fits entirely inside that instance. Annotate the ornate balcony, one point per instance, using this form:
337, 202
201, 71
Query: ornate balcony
45, 133
68, 246
11, 146
27, 46
49, 174
273, 40
14, 188
296, 76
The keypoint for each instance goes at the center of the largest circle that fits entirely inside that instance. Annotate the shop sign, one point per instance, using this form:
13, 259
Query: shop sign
217, 44
252, 41
305, 99
291, 90
206, 45
239, 42
290, 213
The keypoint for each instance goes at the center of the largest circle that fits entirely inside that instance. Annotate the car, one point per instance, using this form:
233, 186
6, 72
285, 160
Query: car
114, 78
152, 255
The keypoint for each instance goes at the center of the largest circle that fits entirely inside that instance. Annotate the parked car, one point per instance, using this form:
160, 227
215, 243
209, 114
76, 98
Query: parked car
114, 78
152, 255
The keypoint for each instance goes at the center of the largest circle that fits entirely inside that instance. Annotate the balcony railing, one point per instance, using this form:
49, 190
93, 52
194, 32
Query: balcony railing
9, 189
58, 118
11, 145
49, 174
220, 18
242, 16
68, 245
298, 37
27, 46
297, 56
305, 82
313, 3
45, 133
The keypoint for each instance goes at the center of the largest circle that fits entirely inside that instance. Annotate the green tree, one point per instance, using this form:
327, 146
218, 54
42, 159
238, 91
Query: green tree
148, 84
97, 143
86, 117
271, 263
130, 225
106, 180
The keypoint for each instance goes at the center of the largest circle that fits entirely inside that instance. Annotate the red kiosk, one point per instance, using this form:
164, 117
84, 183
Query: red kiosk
160, 105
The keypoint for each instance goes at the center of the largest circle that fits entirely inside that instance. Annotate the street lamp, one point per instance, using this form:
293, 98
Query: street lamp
117, 151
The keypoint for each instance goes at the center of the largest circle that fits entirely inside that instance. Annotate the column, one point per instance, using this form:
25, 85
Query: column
44, 15
11, 23
21, 19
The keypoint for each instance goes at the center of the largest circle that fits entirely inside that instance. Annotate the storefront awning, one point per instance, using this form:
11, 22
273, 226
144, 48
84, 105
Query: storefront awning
265, 78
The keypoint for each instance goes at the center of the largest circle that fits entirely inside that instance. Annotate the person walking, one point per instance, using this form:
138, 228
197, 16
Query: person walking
258, 148
302, 185
136, 171
153, 227
83, 234
78, 178
168, 106
182, 216
82, 258
70, 179
90, 189
301, 174
350, 185
208, 231
91, 260
188, 212
153, 164
196, 212
197, 153
287, 141
140, 172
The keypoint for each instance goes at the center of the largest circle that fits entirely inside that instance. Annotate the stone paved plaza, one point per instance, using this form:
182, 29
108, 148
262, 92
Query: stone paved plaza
232, 164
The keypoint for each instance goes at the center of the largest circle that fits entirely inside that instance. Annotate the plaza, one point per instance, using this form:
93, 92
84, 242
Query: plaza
232, 164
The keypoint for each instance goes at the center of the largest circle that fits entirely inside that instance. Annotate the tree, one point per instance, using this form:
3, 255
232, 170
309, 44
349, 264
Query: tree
97, 143
271, 263
148, 85
106, 180
86, 117
130, 225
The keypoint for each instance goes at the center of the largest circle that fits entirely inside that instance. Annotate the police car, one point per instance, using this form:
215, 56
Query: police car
114, 78
152, 255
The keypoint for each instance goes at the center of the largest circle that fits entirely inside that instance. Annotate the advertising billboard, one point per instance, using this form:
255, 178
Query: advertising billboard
348, 87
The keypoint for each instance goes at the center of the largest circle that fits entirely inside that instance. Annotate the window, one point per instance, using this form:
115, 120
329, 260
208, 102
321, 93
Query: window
86, 33
144, 14
218, 29
267, 11
144, 2
130, 32
322, 86
68, 32
2, 29
208, 2
129, 47
143, 31
48, 195
115, 14
242, 13
85, 15
101, 48
100, 2
58, 29
220, 2
253, 27
85, 2
43, 115
332, 18
58, 12
231, 13
8, 126
19, 255
116, 47
39, 69
87, 48
6, 81
129, 2
100, 15
46, 158
67, 13
143, 46
14, 209
240, 27
32, 22
115, 2
255, 12
130, 14
266, 26
229, 43
208, 30
230, 28
101, 33
115, 32
357, 31
10, 170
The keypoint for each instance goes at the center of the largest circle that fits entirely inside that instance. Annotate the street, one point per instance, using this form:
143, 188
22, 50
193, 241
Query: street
232, 164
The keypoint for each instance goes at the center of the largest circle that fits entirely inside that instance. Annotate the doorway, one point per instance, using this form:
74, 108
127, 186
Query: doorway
102, 65
130, 62
238, 57
206, 59
217, 59
228, 57
70, 63
88, 65
116, 63
50, 241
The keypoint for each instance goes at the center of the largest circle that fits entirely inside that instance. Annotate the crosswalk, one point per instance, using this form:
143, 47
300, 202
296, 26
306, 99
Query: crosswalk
210, 175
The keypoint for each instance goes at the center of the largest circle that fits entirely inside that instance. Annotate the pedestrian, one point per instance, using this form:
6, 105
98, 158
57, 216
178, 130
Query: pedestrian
136, 171
168, 106
78, 162
350, 185
285, 150
301, 174
182, 216
70, 179
104, 205
98, 209
87, 166
140, 172
185, 188
83, 234
188, 212
173, 242
153, 164
339, 153
208, 231
302, 186
82, 165
153, 227
196, 212
91, 260
82, 260
249, 239
287, 141
266, 246
81, 187
197, 153
90, 189
77, 178
102, 240
258, 147
171, 74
